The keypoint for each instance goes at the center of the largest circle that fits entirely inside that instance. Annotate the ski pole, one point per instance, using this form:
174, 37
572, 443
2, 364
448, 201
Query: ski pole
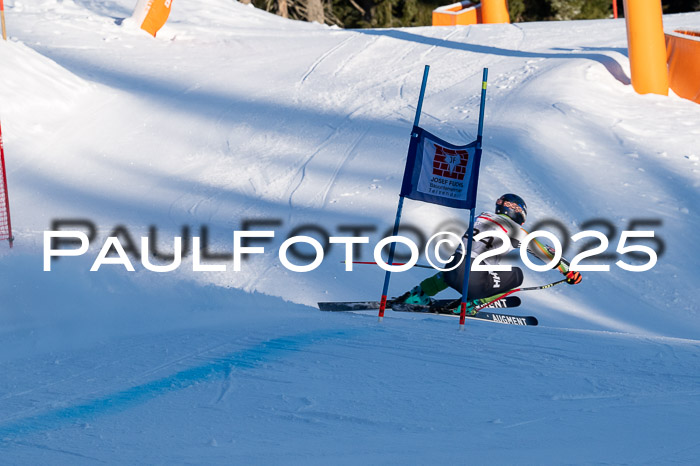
542, 287
515, 290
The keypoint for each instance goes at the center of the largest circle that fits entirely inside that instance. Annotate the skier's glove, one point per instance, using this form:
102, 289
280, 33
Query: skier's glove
573, 278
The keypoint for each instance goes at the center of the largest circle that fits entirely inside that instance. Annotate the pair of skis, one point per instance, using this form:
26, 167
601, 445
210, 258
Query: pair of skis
447, 307
442, 307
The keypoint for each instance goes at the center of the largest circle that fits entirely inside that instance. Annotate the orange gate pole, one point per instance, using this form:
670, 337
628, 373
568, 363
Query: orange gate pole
647, 46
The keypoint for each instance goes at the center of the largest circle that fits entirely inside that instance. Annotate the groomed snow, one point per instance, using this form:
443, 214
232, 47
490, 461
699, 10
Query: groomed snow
232, 114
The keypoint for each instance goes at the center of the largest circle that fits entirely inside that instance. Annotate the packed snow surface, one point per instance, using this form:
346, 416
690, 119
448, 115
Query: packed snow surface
234, 119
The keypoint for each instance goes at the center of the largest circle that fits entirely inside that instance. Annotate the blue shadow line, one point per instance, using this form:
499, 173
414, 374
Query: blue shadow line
120, 401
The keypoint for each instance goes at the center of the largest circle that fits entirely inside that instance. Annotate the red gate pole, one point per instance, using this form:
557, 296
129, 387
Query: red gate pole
614, 8
2, 19
4, 184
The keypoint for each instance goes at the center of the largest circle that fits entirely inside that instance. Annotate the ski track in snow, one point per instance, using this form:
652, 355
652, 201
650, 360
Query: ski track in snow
301, 171
61, 451
347, 157
323, 57
345, 62
338, 133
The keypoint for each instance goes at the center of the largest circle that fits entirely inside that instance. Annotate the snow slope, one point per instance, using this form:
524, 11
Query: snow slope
232, 114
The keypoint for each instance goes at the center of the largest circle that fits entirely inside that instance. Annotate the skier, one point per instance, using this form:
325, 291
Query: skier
510, 214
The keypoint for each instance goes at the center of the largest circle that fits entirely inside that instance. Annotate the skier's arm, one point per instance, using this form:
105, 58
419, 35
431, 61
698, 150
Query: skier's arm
546, 253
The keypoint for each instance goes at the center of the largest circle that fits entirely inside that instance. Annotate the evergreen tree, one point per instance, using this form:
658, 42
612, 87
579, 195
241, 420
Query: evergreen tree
405, 13
680, 6
516, 9
580, 9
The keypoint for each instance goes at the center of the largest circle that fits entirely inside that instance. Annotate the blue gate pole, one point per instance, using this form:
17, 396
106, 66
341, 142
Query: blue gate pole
470, 231
481, 110
397, 222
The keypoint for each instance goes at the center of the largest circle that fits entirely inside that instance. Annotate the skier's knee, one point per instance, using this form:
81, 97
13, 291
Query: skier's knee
518, 277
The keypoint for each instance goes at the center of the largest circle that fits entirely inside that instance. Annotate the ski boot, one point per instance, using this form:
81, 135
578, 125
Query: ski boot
455, 307
415, 296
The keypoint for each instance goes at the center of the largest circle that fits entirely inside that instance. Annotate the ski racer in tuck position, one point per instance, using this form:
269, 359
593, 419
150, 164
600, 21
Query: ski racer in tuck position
509, 216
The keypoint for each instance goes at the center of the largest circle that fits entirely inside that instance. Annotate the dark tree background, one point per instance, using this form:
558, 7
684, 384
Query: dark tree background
401, 13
